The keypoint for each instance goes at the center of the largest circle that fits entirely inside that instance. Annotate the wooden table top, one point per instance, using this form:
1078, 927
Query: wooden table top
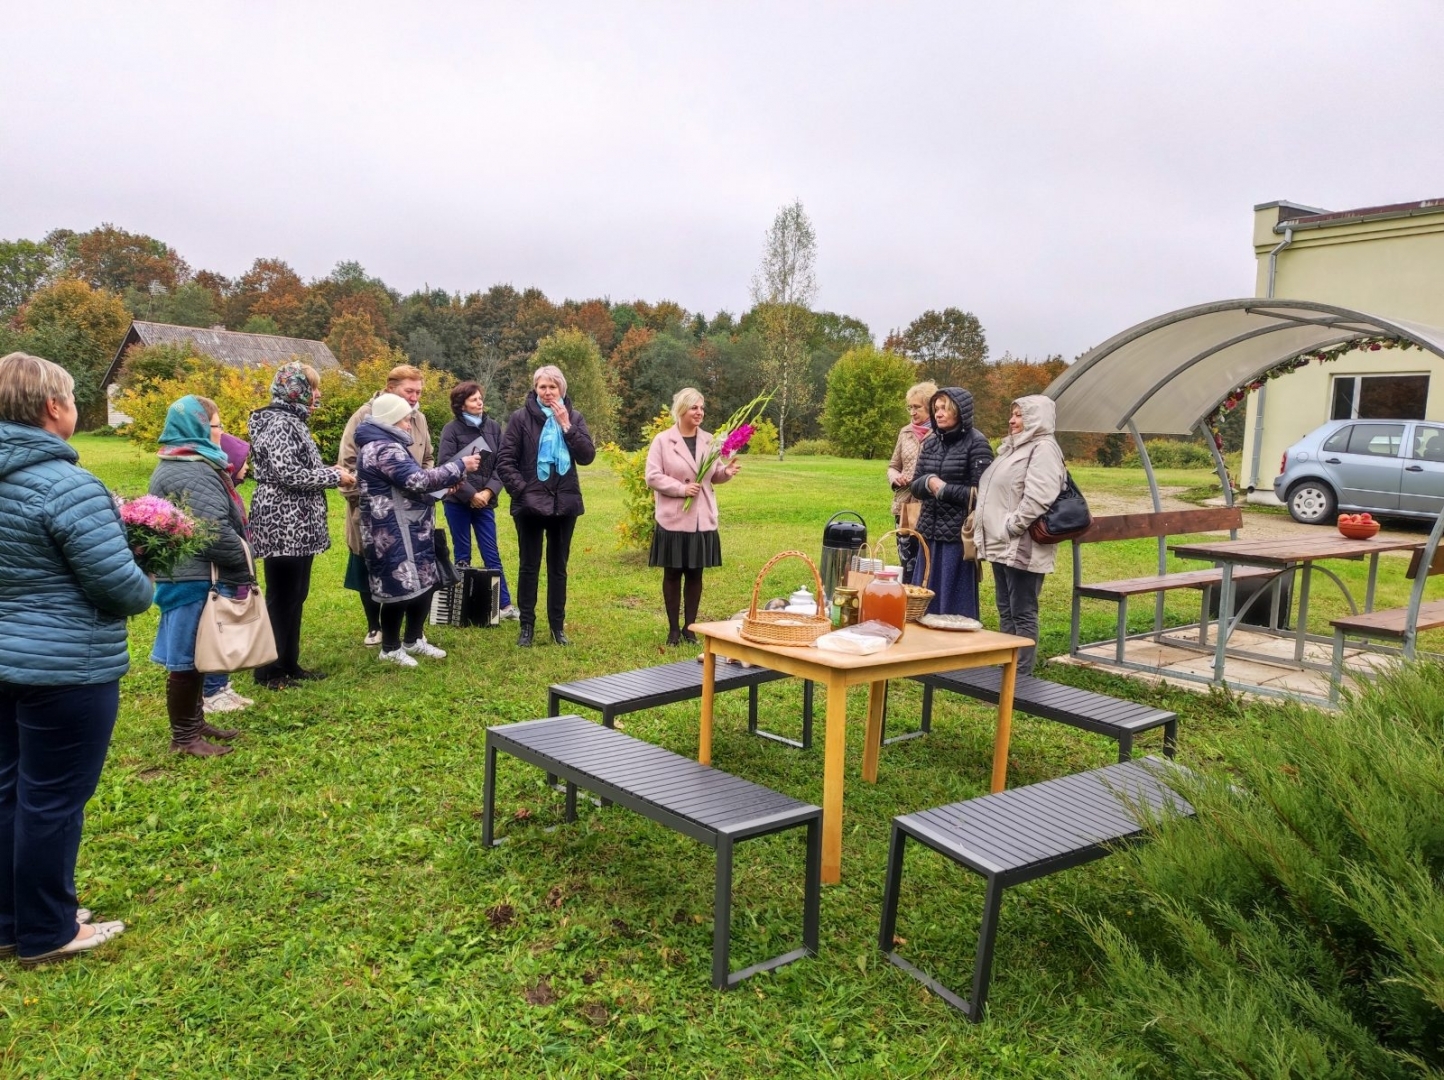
918, 643
1287, 550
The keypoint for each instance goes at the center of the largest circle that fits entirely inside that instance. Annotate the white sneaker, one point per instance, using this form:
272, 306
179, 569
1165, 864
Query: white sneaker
373, 637
422, 647
237, 697
510, 612
221, 701
400, 656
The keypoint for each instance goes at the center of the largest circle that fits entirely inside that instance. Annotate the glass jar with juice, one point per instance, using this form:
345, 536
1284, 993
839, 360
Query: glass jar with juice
884, 599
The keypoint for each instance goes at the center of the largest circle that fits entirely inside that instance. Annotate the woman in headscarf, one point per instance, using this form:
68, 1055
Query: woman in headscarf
288, 511
1016, 490
905, 507
68, 581
397, 520
950, 463
545, 439
193, 473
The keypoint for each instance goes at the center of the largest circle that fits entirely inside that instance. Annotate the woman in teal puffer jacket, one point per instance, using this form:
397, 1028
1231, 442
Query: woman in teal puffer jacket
67, 582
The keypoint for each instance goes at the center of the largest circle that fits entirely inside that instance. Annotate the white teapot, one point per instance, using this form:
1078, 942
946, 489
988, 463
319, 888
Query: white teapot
802, 602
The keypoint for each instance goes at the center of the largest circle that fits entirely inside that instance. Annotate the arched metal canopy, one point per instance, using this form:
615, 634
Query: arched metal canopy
1168, 374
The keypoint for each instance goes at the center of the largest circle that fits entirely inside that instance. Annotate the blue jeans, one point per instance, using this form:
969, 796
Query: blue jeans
53, 742
215, 683
462, 520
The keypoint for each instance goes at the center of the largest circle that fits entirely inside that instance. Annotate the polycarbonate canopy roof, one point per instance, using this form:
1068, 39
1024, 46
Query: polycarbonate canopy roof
1167, 374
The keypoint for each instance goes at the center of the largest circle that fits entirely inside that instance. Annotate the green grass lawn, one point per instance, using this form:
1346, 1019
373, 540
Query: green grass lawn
318, 903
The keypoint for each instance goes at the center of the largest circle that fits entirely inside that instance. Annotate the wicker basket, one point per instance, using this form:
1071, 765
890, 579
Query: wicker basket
785, 627
919, 596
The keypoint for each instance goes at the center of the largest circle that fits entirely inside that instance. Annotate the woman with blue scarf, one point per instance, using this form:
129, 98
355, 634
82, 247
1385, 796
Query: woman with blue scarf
545, 440
193, 472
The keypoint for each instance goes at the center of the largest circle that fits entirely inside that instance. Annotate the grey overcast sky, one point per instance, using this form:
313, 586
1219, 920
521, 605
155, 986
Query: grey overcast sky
1062, 170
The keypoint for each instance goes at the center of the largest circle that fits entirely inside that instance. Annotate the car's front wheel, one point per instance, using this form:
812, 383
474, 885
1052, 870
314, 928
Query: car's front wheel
1312, 502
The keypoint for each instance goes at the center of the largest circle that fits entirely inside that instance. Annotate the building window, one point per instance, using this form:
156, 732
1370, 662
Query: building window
1379, 397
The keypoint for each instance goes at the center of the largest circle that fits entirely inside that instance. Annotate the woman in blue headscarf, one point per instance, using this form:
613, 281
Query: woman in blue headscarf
544, 442
193, 472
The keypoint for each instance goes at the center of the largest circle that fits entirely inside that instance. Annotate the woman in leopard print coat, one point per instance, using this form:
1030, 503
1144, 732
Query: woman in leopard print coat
288, 511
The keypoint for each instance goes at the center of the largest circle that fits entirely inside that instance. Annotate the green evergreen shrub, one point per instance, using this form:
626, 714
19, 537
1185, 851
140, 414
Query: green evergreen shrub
813, 448
1295, 928
1171, 454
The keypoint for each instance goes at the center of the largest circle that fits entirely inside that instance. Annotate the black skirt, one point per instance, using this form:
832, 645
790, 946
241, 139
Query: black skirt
685, 550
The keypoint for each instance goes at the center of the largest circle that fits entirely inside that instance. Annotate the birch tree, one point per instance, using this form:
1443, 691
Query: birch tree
782, 290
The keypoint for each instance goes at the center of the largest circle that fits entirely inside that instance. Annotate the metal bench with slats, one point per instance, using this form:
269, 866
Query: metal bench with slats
1020, 835
667, 684
1402, 625
1098, 713
696, 800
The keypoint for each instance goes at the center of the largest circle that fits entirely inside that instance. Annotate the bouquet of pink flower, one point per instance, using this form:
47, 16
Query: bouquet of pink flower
161, 535
731, 438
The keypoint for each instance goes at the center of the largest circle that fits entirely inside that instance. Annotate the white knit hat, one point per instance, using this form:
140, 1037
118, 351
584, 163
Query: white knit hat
390, 409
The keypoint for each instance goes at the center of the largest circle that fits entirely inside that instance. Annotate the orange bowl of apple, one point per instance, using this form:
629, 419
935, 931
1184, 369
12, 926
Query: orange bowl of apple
1358, 526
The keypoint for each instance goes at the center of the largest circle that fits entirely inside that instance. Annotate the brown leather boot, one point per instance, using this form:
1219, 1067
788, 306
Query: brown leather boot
209, 732
187, 718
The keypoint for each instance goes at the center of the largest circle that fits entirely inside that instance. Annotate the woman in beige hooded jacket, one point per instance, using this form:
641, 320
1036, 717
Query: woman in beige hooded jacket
1025, 478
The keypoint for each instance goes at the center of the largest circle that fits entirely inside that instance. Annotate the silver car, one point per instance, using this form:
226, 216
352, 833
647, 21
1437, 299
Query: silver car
1393, 468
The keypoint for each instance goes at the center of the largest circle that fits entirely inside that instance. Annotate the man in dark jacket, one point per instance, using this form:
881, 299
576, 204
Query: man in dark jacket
950, 462
545, 439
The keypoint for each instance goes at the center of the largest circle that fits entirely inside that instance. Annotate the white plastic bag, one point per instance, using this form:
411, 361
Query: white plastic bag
860, 640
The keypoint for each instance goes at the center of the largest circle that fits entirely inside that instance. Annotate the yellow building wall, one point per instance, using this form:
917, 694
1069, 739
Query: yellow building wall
1393, 268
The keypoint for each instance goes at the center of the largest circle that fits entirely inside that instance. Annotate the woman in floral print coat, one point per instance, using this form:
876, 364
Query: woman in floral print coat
397, 525
288, 511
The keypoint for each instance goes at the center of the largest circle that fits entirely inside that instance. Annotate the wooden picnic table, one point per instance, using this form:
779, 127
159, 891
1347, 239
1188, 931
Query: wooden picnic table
1289, 554
920, 651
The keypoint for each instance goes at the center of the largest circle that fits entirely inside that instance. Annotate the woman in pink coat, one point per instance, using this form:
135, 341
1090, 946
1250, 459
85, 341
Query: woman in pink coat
685, 542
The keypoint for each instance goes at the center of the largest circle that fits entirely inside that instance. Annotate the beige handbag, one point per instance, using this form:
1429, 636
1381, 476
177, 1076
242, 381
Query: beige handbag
970, 549
234, 634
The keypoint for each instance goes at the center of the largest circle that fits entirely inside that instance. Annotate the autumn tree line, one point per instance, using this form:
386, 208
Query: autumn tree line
71, 296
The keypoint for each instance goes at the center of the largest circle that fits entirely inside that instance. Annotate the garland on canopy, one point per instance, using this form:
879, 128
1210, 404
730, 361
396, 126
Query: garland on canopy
1239, 394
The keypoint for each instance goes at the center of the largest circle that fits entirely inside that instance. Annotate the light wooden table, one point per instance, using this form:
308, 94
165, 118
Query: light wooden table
920, 651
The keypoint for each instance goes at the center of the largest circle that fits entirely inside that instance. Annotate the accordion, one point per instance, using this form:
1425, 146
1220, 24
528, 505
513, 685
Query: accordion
473, 601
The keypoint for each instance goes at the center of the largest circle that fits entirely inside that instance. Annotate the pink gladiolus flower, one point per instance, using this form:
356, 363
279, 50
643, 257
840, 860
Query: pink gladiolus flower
735, 435
737, 439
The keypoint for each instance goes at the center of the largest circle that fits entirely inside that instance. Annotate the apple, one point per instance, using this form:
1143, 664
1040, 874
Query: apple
1366, 517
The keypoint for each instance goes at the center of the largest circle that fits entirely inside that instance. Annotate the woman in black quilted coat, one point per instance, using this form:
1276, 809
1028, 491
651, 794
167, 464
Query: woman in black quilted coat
950, 463
544, 442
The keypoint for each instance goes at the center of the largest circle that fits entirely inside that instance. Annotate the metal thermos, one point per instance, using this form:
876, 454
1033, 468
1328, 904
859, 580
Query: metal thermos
840, 542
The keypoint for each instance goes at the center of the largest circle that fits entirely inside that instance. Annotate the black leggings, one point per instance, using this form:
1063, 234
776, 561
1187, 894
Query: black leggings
373, 612
531, 530
672, 594
413, 611
288, 582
